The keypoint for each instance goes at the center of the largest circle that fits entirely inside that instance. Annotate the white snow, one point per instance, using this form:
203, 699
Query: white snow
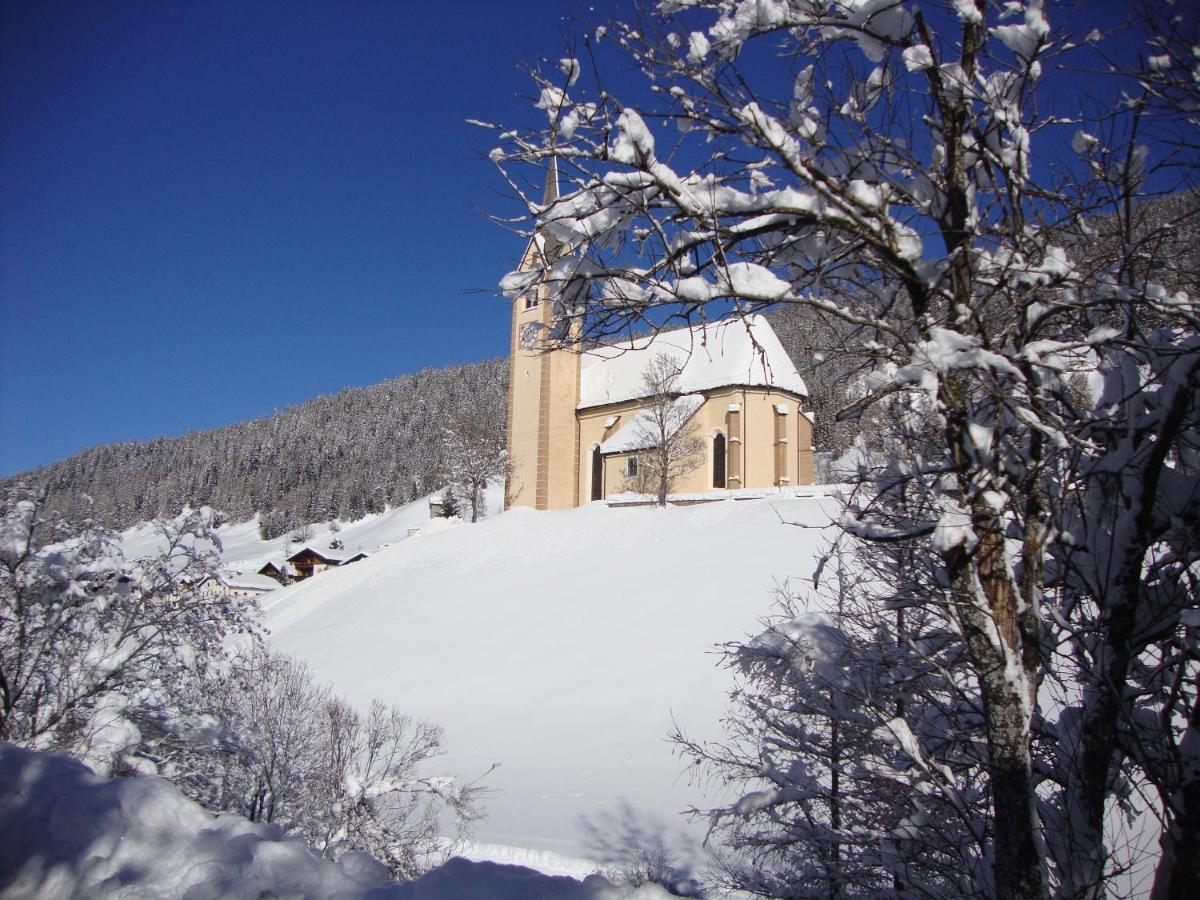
1025, 39
570, 68
69, 833
634, 144
243, 552
918, 57
561, 645
742, 351
639, 432
967, 11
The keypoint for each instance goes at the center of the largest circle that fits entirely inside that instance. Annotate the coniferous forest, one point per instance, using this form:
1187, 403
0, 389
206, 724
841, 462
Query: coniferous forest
340, 455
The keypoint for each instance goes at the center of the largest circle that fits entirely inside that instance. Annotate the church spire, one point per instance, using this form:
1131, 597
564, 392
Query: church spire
551, 192
551, 246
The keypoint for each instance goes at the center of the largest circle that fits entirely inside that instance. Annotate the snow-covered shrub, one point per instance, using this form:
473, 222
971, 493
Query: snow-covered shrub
92, 643
278, 747
652, 866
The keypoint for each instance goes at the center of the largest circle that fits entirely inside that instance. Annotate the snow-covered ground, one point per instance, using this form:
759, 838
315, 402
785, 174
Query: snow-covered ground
561, 645
243, 550
68, 833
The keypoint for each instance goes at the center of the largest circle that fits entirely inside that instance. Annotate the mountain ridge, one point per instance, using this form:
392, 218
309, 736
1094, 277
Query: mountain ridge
340, 455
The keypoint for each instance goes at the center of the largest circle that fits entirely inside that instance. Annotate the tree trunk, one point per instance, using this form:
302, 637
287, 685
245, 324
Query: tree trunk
988, 609
1018, 866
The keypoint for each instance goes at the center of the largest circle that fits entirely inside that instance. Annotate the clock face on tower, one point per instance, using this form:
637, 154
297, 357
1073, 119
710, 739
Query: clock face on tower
529, 335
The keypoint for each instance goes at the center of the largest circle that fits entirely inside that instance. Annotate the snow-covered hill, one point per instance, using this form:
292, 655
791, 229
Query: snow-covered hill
560, 645
243, 550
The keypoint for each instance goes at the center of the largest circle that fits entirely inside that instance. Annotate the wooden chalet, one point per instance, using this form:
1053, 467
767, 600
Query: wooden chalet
307, 562
277, 572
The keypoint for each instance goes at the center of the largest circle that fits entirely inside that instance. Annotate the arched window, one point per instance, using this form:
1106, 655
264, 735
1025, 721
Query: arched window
718, 451
597, 474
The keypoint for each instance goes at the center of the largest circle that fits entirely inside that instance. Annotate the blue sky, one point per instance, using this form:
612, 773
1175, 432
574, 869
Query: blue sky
210, 210
215, 209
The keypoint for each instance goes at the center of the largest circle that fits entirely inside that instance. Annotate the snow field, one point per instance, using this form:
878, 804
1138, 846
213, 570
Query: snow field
561, 645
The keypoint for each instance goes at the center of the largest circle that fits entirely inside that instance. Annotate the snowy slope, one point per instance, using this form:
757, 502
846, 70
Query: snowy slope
560, 645
241, 547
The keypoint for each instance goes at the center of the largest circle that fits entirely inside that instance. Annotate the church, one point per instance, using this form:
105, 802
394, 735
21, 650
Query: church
573, 424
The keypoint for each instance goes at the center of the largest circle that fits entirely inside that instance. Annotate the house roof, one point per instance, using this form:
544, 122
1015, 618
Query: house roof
249, 581
741, 351
638, 432
317, 553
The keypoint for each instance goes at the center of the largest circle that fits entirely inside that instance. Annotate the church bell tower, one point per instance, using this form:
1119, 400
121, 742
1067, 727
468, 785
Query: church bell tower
543, 389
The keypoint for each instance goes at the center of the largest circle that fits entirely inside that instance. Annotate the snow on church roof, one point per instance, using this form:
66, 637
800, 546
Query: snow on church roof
741, 351
639, 433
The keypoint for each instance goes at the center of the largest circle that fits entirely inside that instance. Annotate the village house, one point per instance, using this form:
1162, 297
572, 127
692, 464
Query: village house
573, 427
275, 571
247, 584
306, 562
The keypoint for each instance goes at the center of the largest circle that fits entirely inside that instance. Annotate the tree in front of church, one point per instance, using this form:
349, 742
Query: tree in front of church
671, 448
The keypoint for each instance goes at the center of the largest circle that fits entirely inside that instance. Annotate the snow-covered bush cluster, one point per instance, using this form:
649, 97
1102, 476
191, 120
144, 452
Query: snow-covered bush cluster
149, 667
1010, 296
91, 643
275, 746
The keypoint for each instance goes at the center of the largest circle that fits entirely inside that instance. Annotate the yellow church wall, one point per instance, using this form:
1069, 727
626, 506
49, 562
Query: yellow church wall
560, 398
754, 457
593, 433
524, 403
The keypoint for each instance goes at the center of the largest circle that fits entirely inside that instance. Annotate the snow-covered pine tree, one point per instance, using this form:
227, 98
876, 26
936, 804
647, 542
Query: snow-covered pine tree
853, 759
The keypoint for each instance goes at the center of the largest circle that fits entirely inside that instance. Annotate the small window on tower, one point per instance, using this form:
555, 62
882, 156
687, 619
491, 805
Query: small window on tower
531, 301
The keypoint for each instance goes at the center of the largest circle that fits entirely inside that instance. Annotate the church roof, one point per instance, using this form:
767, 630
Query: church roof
741, 351
639, 432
